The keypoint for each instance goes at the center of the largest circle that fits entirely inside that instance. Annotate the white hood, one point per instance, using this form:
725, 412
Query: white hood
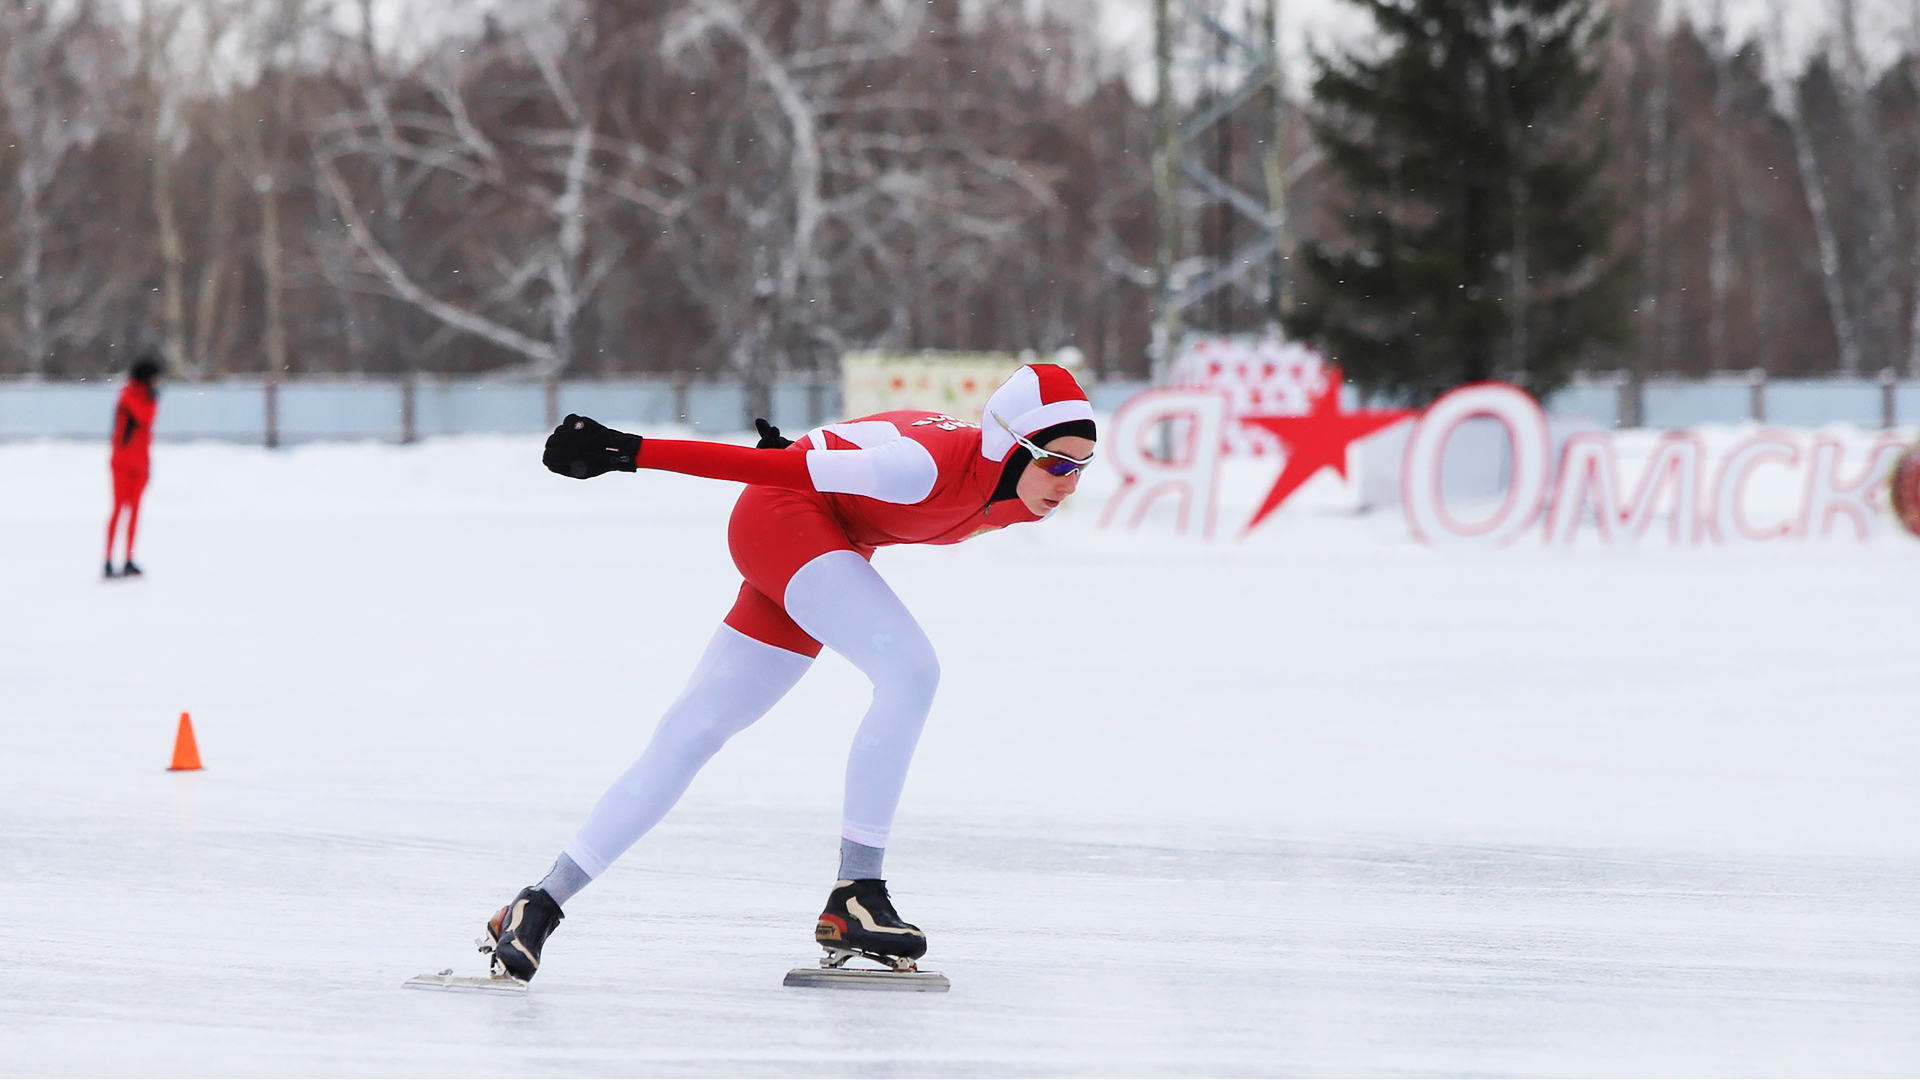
1037, 397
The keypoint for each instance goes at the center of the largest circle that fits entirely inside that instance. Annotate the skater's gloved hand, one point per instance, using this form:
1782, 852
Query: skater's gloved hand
770, 438
581, 447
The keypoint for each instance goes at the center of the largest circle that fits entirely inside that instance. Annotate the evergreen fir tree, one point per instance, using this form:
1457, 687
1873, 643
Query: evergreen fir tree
1477, 225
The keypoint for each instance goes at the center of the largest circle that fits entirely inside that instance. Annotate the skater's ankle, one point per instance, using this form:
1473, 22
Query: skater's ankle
564, 880
859, 861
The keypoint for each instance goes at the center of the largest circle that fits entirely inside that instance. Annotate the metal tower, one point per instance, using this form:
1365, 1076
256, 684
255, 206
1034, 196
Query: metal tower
1219, 174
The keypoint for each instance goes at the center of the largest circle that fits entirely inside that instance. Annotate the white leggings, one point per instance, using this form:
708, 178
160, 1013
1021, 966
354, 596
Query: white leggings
842, 602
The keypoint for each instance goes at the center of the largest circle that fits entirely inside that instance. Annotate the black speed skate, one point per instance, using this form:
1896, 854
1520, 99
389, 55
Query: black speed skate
860, 921
517, 932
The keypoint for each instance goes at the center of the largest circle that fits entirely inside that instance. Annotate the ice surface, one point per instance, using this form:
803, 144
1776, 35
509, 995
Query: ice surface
1320, 801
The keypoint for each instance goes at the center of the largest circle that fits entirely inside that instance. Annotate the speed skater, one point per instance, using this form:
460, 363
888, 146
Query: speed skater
132, 435
802, 535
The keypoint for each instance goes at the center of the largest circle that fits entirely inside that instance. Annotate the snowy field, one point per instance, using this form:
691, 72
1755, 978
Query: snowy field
1317, 802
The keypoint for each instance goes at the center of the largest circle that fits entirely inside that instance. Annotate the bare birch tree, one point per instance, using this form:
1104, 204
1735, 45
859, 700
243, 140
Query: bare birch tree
1651, 56
1873, 276
746, 186
1725, 178
1912, 69
51, 75
1786, 99
553, 182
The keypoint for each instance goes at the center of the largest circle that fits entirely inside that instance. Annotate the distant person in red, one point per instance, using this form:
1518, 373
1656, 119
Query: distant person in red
132, 433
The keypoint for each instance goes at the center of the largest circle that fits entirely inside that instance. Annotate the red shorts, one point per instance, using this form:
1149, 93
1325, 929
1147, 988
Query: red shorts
773, 533
129, 480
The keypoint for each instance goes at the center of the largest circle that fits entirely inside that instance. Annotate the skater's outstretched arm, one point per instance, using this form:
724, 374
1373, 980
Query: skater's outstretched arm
896, 470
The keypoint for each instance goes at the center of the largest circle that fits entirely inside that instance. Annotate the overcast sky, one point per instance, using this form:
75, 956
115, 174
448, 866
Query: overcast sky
1128, 24
1330, 23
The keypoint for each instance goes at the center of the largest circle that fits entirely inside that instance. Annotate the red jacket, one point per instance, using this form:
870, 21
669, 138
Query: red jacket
133, 425
892, 478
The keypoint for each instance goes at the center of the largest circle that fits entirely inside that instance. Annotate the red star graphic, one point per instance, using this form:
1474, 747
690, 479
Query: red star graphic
1318, 440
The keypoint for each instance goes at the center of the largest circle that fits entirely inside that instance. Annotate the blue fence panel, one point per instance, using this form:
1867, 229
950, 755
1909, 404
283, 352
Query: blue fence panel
356, 409
30, 410
1595, 401
634, 403
1906, 403
223, 410
1107, 396
343, 410
802, 405
1684, 404
716, 408
1811, 402
480, 408
791, 408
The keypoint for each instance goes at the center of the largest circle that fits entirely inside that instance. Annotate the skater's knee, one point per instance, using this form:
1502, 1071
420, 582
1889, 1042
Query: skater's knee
691, 737
911, 672
924, 671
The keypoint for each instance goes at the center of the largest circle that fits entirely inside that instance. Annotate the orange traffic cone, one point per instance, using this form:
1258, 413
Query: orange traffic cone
186, 753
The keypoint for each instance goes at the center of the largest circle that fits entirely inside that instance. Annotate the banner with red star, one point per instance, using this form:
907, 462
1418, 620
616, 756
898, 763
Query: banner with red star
1318, 440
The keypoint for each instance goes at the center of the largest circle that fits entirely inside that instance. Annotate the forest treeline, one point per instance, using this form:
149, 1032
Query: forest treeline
746, 187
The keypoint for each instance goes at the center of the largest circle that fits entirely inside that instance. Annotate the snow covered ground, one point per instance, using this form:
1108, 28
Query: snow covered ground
1320, 801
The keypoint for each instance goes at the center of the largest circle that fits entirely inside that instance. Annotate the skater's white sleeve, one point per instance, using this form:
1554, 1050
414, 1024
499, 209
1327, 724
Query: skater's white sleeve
884, 464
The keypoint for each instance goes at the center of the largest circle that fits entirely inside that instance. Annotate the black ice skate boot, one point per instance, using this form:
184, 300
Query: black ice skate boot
516, 933
860, 920
129, 570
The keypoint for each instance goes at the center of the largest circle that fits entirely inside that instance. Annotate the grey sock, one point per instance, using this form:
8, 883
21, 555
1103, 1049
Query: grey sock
565, 879
859, 861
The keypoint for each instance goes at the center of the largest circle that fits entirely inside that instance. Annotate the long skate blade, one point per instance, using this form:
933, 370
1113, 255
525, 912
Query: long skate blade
466, 984
868, 979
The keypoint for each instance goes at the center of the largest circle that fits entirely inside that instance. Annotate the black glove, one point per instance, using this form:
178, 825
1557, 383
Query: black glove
770, 437
581, 447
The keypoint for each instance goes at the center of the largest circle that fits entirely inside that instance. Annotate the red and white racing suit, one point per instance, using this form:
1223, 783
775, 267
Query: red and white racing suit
802, 534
